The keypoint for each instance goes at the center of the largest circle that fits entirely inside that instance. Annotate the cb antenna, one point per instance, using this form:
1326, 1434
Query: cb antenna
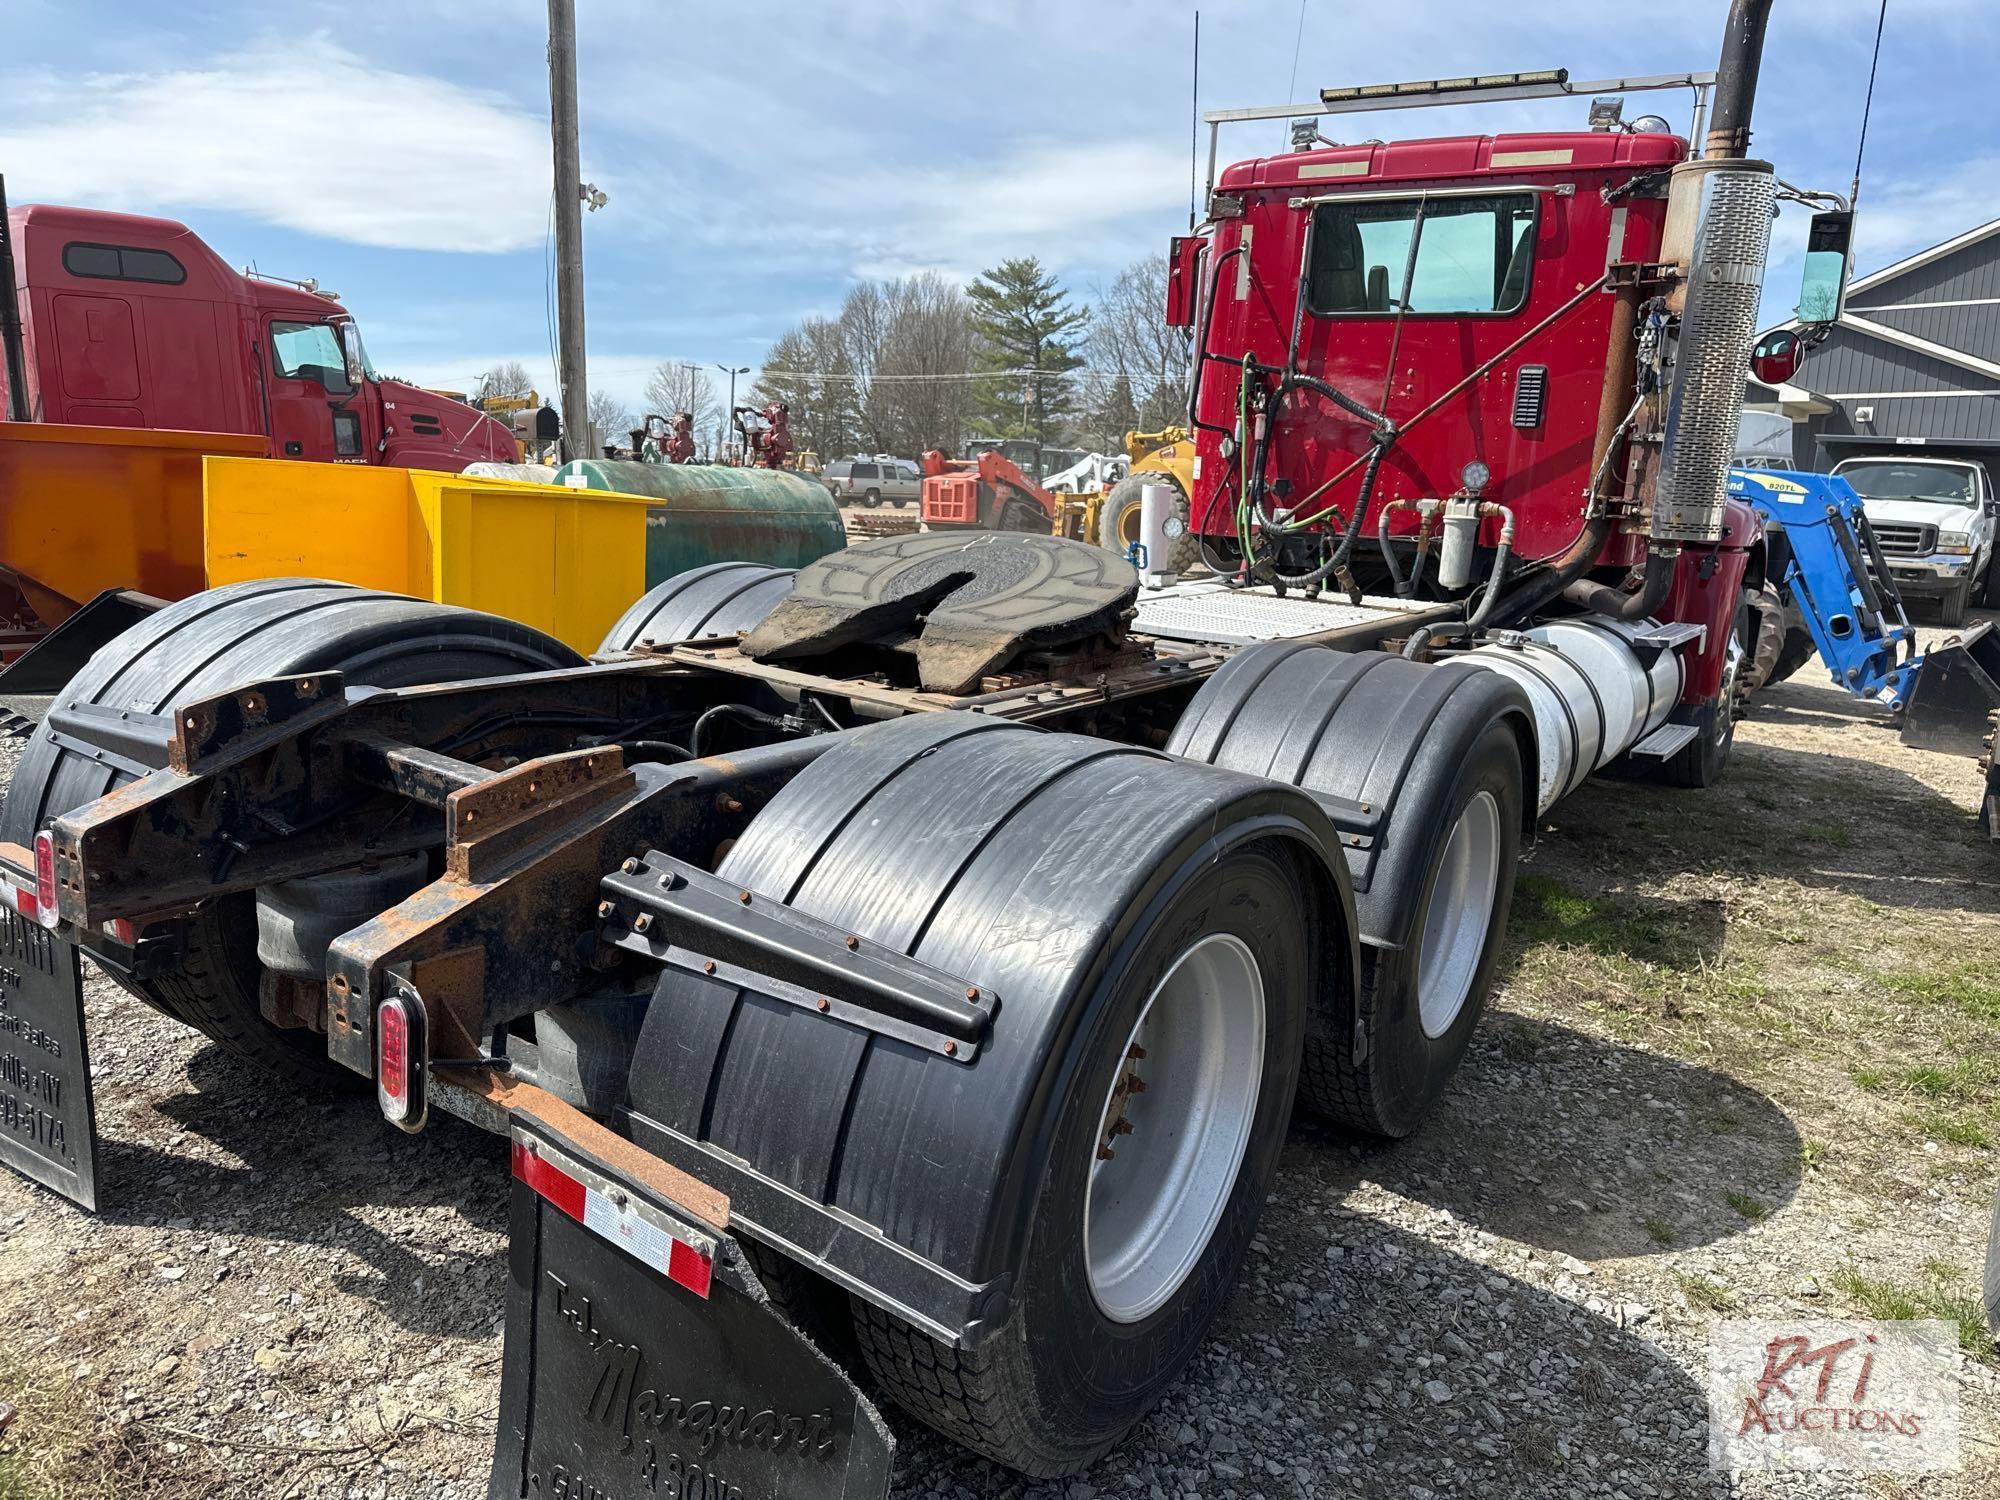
1194, 121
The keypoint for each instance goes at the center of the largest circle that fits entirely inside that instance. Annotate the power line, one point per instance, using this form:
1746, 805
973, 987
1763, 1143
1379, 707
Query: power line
942, 375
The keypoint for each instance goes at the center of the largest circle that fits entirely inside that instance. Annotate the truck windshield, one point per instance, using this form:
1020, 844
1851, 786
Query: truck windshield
1944, 484
1474, 254
311, 351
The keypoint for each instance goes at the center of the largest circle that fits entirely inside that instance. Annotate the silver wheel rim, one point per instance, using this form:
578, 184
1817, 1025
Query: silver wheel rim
1167, 1153
1460, 915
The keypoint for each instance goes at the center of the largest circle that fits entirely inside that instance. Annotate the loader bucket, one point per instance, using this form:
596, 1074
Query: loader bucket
1957, 691
1956, 707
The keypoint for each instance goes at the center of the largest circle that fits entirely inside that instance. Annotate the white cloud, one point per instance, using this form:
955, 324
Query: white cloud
304, 134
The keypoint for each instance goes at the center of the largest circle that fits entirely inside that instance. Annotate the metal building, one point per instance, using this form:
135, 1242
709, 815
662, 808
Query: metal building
1914, 361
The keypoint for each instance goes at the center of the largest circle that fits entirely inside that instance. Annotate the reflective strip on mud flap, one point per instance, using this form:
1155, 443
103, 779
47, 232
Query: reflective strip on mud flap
680, 1252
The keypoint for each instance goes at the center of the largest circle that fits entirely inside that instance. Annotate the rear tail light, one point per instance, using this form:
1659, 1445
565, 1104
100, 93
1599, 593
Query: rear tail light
23, 901
47, 911
402, 1046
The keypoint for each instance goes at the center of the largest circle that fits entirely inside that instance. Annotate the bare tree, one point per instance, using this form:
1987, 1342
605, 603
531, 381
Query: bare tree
1130, 340
807, 368
673, 388
610, 422
918, 398
509, 378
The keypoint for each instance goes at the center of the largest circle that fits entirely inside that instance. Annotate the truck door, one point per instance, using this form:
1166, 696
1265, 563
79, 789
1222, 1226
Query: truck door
320, 410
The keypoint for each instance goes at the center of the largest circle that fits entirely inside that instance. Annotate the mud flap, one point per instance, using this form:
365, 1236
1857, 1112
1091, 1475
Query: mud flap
634, 1372
48, 1124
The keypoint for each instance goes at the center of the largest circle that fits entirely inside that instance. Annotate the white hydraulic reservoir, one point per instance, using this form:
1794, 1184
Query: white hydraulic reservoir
1159, 529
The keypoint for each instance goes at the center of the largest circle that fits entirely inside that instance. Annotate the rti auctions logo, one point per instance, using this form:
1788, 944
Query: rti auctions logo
1824, 1395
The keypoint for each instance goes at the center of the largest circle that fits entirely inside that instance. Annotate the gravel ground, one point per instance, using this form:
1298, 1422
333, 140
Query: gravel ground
288, 1298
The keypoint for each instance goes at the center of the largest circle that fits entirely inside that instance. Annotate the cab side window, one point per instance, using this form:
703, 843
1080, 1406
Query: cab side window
311, 351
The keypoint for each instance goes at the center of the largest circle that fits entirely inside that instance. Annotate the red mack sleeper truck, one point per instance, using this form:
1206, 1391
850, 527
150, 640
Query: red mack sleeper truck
1491, 369
128, 321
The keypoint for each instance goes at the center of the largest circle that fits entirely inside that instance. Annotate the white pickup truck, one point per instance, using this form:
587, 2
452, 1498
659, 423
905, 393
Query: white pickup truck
1936, 520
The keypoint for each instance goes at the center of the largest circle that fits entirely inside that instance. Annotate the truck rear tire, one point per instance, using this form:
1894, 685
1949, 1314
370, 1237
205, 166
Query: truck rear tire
1132, 913
209, 643
1439, 754
1122, 1275
1118, 519
727, 598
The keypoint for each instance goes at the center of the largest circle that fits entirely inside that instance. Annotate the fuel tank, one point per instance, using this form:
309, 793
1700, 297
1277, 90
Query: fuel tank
706, 513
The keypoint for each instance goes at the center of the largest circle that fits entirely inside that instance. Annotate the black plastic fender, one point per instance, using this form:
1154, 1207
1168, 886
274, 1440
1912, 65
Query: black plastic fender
1369, 727
1032, 864
726, 598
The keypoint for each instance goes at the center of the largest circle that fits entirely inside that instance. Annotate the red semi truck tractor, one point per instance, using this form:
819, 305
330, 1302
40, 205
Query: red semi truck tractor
128, 321
1478, 368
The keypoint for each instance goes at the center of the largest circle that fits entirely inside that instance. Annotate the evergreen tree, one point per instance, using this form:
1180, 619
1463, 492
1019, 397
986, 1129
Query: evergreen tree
1024, 321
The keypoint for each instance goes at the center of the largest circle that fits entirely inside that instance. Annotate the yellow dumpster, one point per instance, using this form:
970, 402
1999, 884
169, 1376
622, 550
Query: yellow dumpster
567, 561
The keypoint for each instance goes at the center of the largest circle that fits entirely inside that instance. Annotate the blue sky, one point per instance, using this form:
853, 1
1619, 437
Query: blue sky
761, 158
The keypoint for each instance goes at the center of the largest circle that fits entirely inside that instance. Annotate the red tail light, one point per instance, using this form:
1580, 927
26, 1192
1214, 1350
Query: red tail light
401, 1053
47, 912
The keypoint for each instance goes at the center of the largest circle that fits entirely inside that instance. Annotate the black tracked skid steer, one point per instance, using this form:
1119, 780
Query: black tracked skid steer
872, 1002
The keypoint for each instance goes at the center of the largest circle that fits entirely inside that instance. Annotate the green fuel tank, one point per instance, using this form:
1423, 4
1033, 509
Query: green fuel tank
706, 513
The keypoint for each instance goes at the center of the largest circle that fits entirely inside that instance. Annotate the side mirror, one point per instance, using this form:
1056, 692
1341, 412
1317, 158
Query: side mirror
1775, 359
1184, 279
1823, 290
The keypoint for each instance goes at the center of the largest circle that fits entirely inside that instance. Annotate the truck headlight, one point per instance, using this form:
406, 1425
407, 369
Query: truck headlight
1955, 541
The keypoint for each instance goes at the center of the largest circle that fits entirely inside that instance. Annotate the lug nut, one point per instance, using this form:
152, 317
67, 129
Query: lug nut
605, 909
630, 866
951, 1049
744, 897
972, 992
728, 803
709, 967
824, 1005
643, 921
853, 943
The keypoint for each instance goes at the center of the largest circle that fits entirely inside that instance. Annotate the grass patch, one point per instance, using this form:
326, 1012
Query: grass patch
1959, 1129
1963, 1078
1973, 990
1660, 1232
1942, 1293
1746, 1206
1704, 1293
1547, 911
1827, 835
1813, 1153
58, 1448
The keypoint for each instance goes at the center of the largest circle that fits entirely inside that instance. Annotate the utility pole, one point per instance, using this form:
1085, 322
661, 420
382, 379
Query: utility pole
732, 373
569, 229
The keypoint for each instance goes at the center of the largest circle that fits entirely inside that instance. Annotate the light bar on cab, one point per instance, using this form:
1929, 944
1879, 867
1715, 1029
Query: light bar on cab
1543, 77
